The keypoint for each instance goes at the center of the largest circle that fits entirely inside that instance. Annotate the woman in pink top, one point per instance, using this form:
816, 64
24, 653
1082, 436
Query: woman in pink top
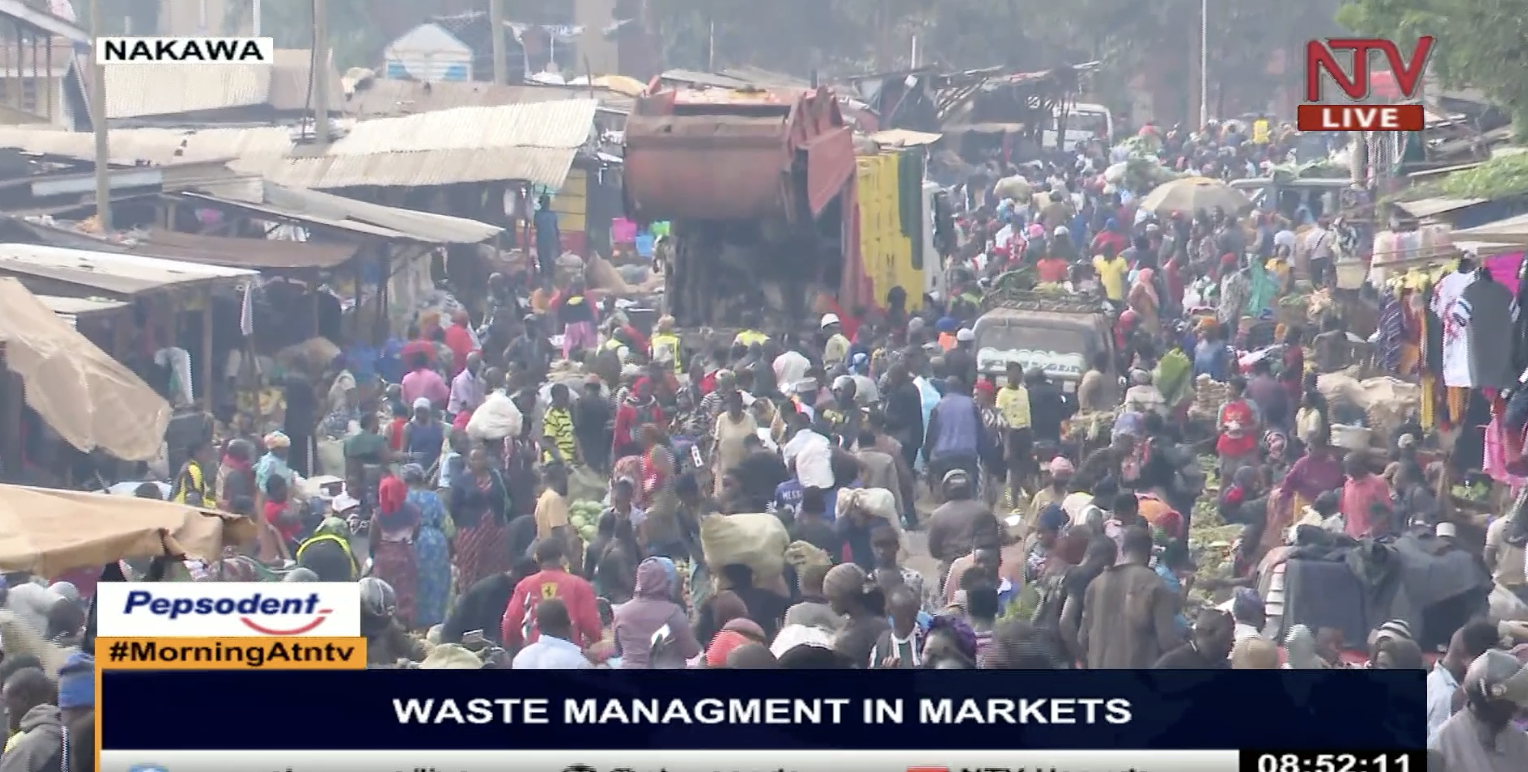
1365, 503
421, 381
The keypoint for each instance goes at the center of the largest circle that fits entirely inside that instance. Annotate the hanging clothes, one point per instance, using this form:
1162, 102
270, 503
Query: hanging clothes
1392, 333
1456, 339
1488, 310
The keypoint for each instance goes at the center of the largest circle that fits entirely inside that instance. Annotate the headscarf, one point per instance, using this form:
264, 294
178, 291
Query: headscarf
1061, 465
1301, 647
391, 495
1144, 281
985, 387
1277, 444
722, 645
959, 632
276, 440
333, 526
653, 581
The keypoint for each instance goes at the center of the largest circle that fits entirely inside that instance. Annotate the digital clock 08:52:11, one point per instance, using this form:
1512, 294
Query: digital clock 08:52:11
1333, 761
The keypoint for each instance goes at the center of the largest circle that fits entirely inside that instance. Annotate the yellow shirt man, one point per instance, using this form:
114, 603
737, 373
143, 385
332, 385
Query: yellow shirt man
1013, 403
750, 338
665, 347
1111, 274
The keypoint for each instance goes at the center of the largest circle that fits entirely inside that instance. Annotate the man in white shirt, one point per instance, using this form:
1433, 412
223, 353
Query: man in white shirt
790, 367
810, 452
1467, 643
1320, 246
554, 649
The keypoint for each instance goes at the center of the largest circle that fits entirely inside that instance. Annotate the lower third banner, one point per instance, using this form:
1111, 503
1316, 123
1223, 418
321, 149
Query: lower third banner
905, 710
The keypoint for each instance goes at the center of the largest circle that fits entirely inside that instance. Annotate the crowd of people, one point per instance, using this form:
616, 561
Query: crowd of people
855, 435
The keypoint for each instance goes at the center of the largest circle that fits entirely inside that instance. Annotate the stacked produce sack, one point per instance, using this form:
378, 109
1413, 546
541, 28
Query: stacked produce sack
1209, 395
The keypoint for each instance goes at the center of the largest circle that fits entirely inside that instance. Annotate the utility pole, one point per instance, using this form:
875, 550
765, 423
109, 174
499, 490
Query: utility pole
500, 54
98, 122
320, 74
254, 28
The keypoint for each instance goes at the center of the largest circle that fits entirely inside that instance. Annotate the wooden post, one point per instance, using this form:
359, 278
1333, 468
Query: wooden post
207, 365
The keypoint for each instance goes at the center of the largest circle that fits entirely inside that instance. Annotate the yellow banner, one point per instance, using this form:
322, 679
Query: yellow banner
284, 653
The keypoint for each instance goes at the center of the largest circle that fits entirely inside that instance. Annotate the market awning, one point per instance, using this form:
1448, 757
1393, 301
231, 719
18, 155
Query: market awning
1432, 207
90, 399
47, 531
1513, 230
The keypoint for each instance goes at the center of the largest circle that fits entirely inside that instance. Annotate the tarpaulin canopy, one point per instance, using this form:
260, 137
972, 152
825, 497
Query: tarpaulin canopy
48, 531
90, 399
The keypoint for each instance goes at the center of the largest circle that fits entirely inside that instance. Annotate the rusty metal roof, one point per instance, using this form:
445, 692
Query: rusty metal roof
531, 142
377, 97
115, 274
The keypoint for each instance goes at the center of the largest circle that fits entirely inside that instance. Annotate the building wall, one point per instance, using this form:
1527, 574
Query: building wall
594, 16
46, 106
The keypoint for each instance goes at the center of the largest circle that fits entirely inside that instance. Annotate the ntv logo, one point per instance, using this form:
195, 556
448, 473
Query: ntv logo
197, 50
1353, 114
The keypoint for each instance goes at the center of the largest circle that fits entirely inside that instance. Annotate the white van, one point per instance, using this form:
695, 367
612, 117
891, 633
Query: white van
1084, 122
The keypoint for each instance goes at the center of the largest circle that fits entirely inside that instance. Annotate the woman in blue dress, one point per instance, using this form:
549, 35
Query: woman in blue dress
432, 549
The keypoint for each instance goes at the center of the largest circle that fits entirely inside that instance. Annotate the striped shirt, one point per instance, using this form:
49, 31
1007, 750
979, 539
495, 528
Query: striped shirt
557, 425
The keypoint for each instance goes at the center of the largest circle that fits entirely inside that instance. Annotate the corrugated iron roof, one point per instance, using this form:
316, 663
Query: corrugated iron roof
70, 309
315, 208
116, 274
243, 253
1431, 207
161, 147
377, 97
142, 90
147, 90
532, 142
421, 226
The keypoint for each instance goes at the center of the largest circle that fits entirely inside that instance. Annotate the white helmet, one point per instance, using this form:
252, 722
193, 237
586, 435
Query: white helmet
378, 598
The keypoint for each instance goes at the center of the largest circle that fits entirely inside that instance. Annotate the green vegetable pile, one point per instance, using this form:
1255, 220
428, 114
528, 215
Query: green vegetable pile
584, 516
1210, 538
1480, 490
1499, 177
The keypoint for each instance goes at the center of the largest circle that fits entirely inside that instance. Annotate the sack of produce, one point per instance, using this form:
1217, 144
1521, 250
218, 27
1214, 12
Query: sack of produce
754, 540
496, 419
587, 484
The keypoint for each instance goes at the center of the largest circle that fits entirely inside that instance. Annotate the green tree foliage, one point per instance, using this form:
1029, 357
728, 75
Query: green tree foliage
1481, 43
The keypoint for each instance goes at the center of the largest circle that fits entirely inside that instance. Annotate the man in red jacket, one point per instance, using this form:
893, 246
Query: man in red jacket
552, 581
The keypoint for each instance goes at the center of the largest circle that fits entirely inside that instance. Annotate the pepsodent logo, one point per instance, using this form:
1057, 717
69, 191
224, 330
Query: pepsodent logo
229, 609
